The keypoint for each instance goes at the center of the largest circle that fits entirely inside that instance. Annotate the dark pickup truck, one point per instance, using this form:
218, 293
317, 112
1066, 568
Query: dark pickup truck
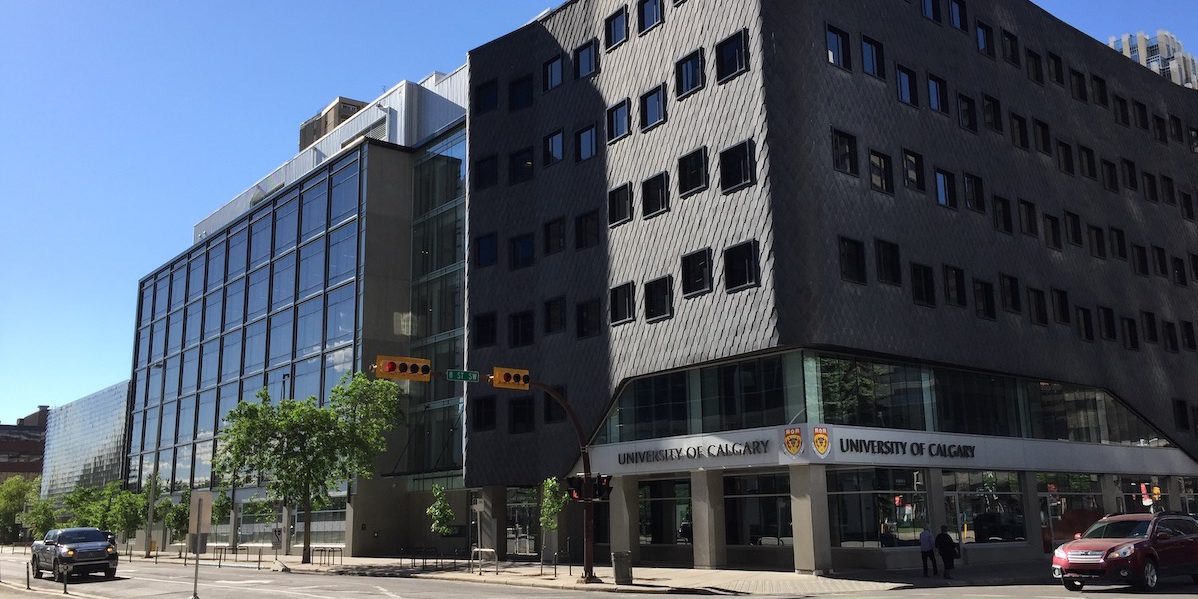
70, 551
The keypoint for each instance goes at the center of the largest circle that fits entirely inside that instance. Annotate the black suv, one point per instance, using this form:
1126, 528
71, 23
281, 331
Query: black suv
70, 551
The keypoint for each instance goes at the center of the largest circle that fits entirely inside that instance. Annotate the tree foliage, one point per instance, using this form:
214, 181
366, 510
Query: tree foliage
553, 501
308, 450
14, 491
40, 515
176, 516
441, 513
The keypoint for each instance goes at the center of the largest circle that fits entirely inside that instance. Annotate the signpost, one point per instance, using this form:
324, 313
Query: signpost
200, 527
462, 376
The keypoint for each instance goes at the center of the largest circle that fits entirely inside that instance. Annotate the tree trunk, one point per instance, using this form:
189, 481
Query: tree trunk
307, 529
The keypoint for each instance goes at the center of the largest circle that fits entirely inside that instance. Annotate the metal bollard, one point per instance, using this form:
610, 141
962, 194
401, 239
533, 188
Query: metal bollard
184, 560
65, 576
259, 566
28, 568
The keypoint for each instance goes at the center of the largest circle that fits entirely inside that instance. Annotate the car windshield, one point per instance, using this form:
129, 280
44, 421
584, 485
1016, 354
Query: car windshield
1117, 529
81, 536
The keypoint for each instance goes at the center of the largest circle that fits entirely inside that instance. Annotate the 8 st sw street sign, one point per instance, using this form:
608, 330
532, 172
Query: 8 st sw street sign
462, 376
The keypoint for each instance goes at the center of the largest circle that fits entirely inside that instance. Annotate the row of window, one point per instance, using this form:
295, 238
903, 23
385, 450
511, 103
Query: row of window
946, 190
1052, 67
521, 417
938, 100
741, 271
889, 271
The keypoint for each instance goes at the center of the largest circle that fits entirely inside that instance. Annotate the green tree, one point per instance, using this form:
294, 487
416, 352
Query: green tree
13, 493
440, 512
128, 511
553, 501
175, 516
309, 450
40, 514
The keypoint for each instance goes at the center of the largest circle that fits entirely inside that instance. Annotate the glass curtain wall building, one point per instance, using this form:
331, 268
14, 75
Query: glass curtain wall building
85, 441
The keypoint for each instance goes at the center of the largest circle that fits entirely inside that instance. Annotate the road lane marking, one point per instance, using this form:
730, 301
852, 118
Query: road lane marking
388, 593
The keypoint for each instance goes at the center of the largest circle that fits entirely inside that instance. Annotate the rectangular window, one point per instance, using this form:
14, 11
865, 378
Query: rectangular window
519, 95
975, 193
1097, 242
1179, 271
486, 172
486, 251
553, 148
653, 107
1012, 299
1077, 84
485, 330
1139, 255
937, 94
522, 417
555, 315
844, 152
615, 30
586, 59
692, 172
1037, 306
1181, 418
690, 74
619, 205
1188, 339
954, 286
1010, 47
1052, 232
967, 114
587, 319
907, 83
1106, 323
1019, 134
1073, 228
889, 263
696, 273
648, 14
1035, 67
1168, 190
983, 300
1086, 163
985, 39
839, 52
852, 260
1118, 243
1131, 337
1056, 69
931, 9
1187, 206
1176, 131
738, 167
1141, 112
521, 329
1085, 324
1060, 306
881, 172
623, 304
586, 231
1160, 261
873, 58
655, 195
618, 121
659, 299
1158, 129
1151, 193
1169, 336
551, 73
1110, 176
1148, 319
585, 144
741, 267
1122, 114
1065, 157
486, 97
1027, 218
482, 413
522, 251
1003, 219
732, 56
992, 113
923, 285
1099, 91
1043, 137
520, 166
913, 171
946, 189
957, 16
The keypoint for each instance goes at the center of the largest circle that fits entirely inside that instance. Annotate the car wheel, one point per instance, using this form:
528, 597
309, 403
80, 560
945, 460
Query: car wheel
37, 569
1149, 578
59, 575
110, 573
1074, 585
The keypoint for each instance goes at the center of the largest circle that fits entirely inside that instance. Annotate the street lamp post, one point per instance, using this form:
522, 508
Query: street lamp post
588, 504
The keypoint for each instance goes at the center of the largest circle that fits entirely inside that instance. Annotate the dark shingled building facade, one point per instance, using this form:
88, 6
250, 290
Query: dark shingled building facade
819, 273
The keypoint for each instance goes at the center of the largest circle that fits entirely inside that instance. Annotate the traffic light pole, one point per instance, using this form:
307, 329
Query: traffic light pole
588, 505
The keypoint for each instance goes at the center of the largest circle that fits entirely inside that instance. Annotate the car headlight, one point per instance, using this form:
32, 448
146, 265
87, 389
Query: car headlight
1059, 552
110, 550
70, 552
1124, 551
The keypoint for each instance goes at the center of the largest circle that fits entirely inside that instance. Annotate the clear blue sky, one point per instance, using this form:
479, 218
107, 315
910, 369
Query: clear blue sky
127, 122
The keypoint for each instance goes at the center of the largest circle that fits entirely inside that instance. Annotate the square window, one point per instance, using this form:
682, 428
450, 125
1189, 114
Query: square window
692, 172
913, 171
482, 413
555, 236
881, 172
486, 251
615, 30
586, 231
946, 189
732, 56
1037, 306
852, 260
975, 193
521, 331
954, 286
623, 304
486, 97
486, 172
586, 59
873, 58
648, 14
738, 167
890, 265
519, 95
907, 83
689, 75
983, 300
553, 148
937, 94
619, 205
659, 299
555, 315
839, 52
740, 267
522, 252
844, 152
653, 107
587, 319
520, 167
585, 146
618, 121
655, 195
1012, 299
696, 273
551, 73
484, 330
923, 285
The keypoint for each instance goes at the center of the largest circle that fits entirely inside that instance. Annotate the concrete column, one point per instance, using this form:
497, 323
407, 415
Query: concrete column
934, 485
1110, 493
1172, 487
707, 519
288, 518
809, 515
1032, 527
625, 520
494, 523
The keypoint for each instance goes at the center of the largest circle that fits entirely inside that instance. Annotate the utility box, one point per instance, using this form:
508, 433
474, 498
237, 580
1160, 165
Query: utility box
621, 563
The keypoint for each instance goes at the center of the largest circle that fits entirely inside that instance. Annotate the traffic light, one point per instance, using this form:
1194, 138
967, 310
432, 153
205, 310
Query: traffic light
509, 378
601, 490
403, 368
574, 487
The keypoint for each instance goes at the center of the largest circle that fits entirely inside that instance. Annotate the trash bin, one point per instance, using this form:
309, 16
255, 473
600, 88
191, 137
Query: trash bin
621, 563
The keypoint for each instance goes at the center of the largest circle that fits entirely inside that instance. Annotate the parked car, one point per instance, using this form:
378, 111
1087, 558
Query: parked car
1130, 548
74, 551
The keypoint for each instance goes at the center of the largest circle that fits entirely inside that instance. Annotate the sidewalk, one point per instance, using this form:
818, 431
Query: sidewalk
660, 580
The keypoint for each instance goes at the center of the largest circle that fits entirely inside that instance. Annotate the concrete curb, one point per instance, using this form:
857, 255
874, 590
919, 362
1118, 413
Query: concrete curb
568, 586
21, 588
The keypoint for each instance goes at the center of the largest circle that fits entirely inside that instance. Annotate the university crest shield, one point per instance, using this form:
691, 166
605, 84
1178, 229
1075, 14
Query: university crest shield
821, 441
792, 440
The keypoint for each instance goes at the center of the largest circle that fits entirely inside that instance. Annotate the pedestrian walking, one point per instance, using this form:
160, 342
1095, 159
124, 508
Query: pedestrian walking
927, 550
947, 548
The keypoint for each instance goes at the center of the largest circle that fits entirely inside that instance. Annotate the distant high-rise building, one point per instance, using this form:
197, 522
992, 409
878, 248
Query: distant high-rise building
337, 112
85, 441
1163, 53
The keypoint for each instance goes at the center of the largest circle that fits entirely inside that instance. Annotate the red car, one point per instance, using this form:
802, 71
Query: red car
1130, 548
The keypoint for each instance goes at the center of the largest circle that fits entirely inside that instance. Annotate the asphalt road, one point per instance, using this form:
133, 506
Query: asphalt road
1171, 588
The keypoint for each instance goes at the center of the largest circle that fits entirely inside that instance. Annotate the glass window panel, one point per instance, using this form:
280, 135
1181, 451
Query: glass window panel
151, 438
336, 364
182, 477
195, 277
192, 324
210, 364
343, 253
170, 389
260, 243
190, 371
280, 338
174, 332
311, 268
238, 243
202, 471
178, 287
309, 327
341, 316
213, 314
345, 194
230, 396
259, 293
314, 207
162, 296
154, 388
143, 346
187, 419
166, 436
286, 220
235, 304
283, 282
665, 509
863, 393
216, 266
307, 378
230, 362
255, 346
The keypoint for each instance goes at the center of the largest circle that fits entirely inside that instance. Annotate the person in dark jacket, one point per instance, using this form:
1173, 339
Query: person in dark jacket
947, 548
